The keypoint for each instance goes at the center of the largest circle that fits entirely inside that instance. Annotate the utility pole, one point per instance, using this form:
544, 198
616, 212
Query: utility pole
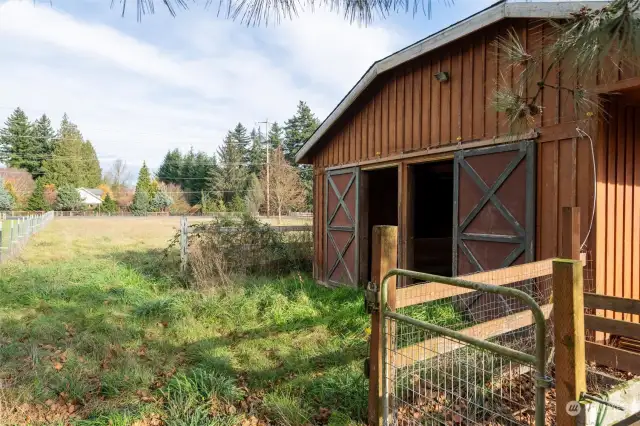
266, 134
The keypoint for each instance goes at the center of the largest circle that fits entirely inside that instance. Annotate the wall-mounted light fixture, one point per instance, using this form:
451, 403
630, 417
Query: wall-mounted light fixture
442, 76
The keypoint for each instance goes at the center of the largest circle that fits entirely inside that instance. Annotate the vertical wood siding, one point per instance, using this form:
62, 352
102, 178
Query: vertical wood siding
408, 110
564, 179
618, 211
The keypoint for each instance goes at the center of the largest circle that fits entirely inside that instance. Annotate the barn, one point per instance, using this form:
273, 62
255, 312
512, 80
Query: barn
417, 143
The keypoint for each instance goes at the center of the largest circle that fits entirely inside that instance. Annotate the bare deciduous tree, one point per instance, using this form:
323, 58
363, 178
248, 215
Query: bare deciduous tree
118, 175
286, 191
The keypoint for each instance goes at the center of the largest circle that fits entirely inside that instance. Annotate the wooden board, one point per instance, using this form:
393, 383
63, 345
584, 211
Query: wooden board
613, 326
422, 293
609, 356
612, 303
441, 345
428, 292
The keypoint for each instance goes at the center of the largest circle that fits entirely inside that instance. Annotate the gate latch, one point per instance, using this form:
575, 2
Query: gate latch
371, 302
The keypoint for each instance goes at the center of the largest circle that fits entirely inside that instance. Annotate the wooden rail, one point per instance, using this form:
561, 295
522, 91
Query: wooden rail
441, 345
610, 356
428, 292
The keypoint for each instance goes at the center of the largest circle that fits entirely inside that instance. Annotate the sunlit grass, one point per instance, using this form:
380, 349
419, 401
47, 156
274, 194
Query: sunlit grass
96, 329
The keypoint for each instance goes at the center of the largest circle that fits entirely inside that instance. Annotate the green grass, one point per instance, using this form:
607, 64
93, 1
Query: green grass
109, 330
94, 320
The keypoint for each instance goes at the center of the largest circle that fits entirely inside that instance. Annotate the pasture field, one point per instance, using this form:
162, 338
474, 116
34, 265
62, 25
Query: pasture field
96, 328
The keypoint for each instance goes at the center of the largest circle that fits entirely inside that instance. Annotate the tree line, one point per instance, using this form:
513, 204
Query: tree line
234, 177
46, 165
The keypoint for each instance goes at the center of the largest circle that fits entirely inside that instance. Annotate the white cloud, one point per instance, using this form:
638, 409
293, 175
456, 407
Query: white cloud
136, 97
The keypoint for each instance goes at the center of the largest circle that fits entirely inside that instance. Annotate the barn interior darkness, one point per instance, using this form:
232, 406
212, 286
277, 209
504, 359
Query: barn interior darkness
382, 197
431, 197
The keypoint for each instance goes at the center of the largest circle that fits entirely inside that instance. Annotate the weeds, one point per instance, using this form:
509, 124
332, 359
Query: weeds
230, 246
95, 329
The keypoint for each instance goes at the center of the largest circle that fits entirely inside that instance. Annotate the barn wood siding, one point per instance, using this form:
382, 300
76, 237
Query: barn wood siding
418, 113
564, 179
407, 110
618, 207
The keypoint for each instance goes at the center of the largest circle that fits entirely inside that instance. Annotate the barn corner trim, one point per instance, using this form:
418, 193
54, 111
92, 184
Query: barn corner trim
494, 13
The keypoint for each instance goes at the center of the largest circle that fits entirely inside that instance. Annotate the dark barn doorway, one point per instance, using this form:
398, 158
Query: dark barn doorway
431, 218
380, 202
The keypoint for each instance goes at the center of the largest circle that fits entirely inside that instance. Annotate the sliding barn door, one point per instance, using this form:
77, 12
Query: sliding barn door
341, 263
494, 207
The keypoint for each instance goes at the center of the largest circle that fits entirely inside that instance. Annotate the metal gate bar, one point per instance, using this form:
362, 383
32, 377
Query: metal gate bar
538, 360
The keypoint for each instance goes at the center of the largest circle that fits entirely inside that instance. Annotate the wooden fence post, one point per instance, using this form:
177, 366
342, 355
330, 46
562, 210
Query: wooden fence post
569, 338
570, 233
384, 256
184, 242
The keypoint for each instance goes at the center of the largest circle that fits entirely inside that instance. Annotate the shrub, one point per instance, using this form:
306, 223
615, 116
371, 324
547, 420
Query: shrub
68, 199
243, 245
161, 201
109, 205
6, 200
37, 200
140, 205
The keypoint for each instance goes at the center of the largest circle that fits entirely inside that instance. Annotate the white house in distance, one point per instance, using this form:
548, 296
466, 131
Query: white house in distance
90, 196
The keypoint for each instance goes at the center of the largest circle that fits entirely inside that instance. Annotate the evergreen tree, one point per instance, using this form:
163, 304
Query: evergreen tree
230, 177
275, 136
68, 198
257, 153
242, 140
198, 177
161, 201
186, 170
144, 179
38, 201
73, 161
43, 140
140, 205
170, 169
6, 200
298, 129
17, 147
92, 171
109, 205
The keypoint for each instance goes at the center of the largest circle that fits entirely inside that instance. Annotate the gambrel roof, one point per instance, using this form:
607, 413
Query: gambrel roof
494, 13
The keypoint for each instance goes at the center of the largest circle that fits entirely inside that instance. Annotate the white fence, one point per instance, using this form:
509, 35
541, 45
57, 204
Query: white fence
15, 231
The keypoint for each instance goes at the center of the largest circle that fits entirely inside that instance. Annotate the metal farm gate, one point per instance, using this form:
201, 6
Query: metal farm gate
439, 367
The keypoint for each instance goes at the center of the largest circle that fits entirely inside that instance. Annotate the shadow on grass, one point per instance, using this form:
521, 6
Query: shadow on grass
103, 338
154, 264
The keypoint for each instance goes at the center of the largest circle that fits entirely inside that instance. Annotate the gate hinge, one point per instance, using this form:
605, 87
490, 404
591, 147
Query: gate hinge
371, 302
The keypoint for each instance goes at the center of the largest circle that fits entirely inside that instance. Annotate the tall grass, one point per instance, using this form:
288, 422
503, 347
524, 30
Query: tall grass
104, 332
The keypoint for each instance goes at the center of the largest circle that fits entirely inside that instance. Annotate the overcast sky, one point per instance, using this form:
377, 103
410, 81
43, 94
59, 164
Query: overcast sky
137, 89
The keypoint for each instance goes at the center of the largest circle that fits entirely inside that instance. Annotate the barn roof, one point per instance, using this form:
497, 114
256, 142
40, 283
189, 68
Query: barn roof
494, 13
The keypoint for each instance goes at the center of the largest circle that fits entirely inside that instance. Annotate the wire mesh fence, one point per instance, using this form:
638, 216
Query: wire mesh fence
436, 379
15, 231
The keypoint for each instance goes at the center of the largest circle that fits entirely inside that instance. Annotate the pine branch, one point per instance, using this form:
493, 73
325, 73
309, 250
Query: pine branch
258, 12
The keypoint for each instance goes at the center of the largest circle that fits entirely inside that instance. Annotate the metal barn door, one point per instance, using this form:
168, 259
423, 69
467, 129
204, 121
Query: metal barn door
341, 207
494, 207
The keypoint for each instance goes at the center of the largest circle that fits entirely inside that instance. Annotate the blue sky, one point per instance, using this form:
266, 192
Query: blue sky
137, 89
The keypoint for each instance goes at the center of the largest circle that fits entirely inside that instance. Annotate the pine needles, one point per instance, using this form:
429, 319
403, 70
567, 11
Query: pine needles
264, 12
584, 43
